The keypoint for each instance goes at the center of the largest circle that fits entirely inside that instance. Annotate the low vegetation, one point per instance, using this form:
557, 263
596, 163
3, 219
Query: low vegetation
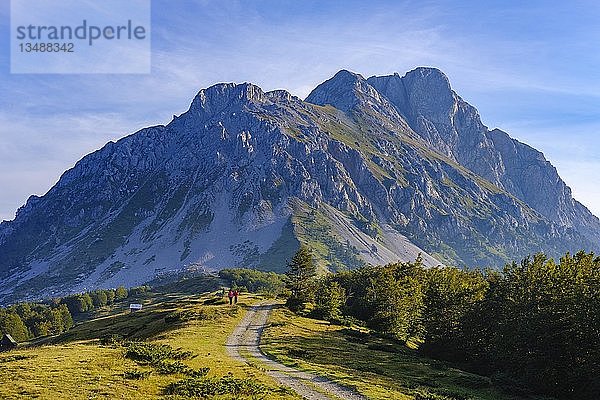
225, 385
25, 321
377, 366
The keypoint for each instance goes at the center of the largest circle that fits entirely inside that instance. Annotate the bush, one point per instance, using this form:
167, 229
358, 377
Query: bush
121, 293
215, 301
177, 367
201, 314
510, 385
426, 395
12, 324
99, 298
138, 290
112, 340
136, 374
387, 347
206, 387
254, 281
171, 367
153, 354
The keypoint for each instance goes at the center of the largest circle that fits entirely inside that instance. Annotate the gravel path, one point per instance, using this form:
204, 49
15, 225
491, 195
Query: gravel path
246, 337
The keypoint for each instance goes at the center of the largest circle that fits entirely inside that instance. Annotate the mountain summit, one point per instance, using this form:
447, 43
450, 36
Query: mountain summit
363, 171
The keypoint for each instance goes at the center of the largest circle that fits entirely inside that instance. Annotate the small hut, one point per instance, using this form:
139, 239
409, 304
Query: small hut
7, 342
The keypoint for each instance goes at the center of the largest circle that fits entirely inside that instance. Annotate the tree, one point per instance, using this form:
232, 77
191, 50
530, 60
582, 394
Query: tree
110, 296
12, 324
138, 290
120, 293
254, 281
301, 275
99, 298
330, 297
65, 315
396, 297
87, 301
450, 295
78, 303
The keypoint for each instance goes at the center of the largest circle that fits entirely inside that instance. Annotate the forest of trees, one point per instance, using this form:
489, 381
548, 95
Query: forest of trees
89, 301
26, 321
251, 280
534, 326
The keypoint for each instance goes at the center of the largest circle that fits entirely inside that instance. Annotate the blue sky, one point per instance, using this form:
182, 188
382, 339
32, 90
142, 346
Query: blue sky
531, 68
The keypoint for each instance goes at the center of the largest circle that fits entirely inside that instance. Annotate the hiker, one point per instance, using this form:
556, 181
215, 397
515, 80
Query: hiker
230, 295
236, 293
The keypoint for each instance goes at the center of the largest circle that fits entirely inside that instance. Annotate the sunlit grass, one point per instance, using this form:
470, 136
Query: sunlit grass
76, 366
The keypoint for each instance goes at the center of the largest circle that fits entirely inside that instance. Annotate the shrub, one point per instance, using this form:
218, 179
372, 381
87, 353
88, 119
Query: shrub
201, 314
215, 301
254, 281
227, 385
152, 354
111, 340
175, 367
387, 347
121, 293
135, 374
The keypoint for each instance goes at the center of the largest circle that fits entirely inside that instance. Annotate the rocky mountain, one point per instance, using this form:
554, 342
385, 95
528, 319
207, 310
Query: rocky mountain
363, 171
453, 127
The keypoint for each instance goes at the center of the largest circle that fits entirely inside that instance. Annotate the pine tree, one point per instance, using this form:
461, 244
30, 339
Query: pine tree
301, 278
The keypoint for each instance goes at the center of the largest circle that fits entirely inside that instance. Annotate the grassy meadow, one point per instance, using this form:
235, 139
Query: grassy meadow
79, 365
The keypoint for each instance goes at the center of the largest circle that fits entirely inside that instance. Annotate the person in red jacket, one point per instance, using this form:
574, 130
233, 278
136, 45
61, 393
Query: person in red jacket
230, 295
236, 293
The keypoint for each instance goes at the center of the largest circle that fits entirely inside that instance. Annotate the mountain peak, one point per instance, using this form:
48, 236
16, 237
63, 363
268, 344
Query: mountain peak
281, 95
430, 73
428, 80
344, 91
221, 96
347, 76
424, 90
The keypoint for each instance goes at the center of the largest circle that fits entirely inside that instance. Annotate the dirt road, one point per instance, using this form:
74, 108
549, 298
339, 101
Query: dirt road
245, 339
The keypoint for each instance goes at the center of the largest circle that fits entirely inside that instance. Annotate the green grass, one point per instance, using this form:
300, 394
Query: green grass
78, 365
377, 367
